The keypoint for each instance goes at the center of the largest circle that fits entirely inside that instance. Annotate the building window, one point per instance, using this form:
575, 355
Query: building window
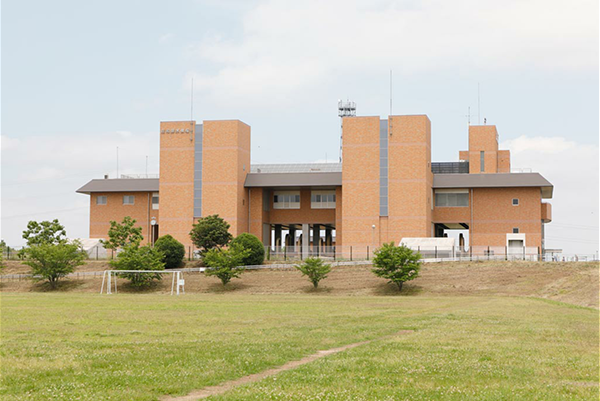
515, 230
482, 161
515, 202
101, 200
128, 199
451, 199
286, 200
155, 201
322, 200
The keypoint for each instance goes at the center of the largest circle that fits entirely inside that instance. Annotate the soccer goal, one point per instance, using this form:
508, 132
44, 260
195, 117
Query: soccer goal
109, 279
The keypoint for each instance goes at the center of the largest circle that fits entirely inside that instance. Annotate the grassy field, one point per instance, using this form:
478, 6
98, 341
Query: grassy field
84, 346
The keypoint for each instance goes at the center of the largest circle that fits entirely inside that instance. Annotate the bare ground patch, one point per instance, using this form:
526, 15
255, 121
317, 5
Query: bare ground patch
230, 385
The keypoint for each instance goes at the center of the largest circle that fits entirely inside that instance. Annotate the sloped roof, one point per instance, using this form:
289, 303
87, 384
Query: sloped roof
499, 180
120, 185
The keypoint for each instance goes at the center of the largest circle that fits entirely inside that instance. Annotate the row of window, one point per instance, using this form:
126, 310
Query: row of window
291, 199
127, 200
458, 199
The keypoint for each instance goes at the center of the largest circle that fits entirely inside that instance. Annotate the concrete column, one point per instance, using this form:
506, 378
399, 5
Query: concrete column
305, 240
316, 237
278, 235
328, 236
292, 236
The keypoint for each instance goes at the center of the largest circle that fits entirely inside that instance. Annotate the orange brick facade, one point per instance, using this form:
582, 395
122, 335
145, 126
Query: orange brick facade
361, 217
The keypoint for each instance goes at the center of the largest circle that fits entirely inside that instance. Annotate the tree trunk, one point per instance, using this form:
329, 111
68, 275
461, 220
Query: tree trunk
399, 284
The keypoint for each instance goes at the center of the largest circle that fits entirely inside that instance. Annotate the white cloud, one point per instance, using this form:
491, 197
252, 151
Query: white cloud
573, 170
40, 175
288, 45
166, 38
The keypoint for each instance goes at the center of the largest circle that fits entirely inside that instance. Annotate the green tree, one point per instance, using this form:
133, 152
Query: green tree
135, 257
123, 234
225, 263
396, 263
3, 249
210, 232
315, 269
52, 262
45, 232
173, 251
254, 245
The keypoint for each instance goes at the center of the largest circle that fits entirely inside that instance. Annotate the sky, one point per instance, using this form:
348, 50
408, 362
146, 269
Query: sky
81, 78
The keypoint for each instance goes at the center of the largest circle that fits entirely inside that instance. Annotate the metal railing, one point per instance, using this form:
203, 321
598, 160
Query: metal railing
461, 167
363, 253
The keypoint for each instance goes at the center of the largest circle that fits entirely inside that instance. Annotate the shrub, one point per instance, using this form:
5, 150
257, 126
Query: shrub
123, 234
314, 269
135, 257
210, 232
173, 251
254, 245
396, 263
52, 262
225, 263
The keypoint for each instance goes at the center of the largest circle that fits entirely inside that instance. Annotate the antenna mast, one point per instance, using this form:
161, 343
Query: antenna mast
117, 162
478, 107
345, 109
192, 111
390, 92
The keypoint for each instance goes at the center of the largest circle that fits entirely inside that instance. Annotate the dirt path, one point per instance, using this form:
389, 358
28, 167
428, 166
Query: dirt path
222, 388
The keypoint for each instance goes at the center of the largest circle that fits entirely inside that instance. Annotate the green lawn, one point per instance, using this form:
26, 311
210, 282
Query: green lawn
139, 347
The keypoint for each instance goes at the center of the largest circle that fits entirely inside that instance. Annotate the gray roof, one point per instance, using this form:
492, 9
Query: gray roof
297, 168
500, 180
120, 185
331, 179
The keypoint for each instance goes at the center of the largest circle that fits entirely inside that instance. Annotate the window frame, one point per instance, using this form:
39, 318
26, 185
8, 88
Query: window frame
98, 197
289, 200
155, 205
457, 196
515, 230
132, 200
482, 161
323, 199
513, 202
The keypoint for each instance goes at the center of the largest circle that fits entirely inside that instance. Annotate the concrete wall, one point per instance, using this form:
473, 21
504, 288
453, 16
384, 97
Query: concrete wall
226, 161
115, 210
494, 216
360, 181
176, 186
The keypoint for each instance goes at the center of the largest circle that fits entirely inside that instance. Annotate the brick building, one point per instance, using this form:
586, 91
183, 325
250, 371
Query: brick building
387, 188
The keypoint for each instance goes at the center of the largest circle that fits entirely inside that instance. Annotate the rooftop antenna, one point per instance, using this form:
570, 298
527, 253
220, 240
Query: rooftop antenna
390, 116
345, 109
117, 162
146, 166
192, 111
390, 92
478, 107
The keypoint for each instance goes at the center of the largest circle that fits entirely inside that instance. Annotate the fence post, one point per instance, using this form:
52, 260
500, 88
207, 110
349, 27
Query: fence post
350, 253
367, 252
506, 253
334, 252
539, 254
285, 254
523, 252
96, 252
269, 253
302, 251
488, 252
190, 253
435, 257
